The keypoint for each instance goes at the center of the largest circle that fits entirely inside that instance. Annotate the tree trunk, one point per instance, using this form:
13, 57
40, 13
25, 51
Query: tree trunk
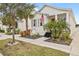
26, 23
9, 29
51, 34
13, 36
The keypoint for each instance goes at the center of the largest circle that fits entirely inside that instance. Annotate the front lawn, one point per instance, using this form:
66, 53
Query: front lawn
28, 49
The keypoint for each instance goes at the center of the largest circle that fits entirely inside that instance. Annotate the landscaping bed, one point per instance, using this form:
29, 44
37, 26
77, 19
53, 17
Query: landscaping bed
34, 36
67, 42
28, 49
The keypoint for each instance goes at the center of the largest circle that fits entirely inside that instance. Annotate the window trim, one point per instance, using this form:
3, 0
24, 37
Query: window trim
65, 16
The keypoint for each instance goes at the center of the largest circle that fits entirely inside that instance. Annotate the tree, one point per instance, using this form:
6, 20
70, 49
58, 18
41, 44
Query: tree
25, 11
57, 28
9, 15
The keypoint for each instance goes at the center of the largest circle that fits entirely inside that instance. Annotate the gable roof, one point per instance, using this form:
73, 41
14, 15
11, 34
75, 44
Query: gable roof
62, 9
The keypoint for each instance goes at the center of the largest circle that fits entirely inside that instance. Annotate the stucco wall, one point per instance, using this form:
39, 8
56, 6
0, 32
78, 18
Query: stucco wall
49, 11
39, 29
21, 25
70, 20
72, 24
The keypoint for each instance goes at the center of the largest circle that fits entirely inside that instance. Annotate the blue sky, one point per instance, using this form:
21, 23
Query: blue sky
73, 6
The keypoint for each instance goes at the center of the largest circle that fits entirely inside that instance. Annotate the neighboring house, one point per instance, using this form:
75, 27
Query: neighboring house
44, 15
2, 27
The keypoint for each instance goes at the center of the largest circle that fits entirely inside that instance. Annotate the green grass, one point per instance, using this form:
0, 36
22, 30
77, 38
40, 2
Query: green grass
28, 49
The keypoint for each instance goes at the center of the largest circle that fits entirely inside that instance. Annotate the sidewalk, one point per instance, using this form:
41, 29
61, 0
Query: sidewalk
3, 36
75, 44
1, 54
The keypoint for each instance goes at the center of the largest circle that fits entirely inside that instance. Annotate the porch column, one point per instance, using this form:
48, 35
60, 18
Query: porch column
56, 17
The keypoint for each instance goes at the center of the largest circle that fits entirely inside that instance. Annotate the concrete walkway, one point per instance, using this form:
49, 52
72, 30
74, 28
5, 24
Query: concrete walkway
41, 42
3, 36
1, 54
75, 44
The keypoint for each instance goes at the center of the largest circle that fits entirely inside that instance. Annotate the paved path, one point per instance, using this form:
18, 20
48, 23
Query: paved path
75, 44
3, 36
41, 42
1, 54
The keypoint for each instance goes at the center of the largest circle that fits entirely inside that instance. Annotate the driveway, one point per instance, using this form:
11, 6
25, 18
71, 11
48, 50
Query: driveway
75, 44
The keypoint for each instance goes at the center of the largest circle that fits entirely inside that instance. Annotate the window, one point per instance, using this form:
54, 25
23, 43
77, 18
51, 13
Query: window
61, 16
34, 22
41, 23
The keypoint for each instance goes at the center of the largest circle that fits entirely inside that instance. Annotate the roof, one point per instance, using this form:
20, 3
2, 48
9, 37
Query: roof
62, 9
41, 13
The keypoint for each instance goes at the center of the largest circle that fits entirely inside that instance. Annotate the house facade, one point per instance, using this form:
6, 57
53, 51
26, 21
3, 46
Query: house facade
45, 14
49, 13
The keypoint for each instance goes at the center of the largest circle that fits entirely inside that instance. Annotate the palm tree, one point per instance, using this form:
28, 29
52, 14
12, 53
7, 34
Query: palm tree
25, 11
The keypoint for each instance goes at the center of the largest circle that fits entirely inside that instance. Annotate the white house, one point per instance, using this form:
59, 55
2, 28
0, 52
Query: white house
36, 24
49, 11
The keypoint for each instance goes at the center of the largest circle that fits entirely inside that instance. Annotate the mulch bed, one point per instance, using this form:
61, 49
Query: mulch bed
58, 42
33, 37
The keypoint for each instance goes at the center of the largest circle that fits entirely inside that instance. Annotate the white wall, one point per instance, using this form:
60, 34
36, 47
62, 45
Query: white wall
49, 11
70, 20
39, 29
22, 25
72, 24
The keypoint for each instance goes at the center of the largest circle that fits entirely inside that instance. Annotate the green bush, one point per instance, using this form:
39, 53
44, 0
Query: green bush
34, 36
17, 31
59, 30
66, 37
8, 33
2, 31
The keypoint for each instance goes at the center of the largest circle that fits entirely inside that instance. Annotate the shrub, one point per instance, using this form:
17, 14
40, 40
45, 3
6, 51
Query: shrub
37, 35
17, 31
2, 31
59, 30
8, 33
25, 33
66, 37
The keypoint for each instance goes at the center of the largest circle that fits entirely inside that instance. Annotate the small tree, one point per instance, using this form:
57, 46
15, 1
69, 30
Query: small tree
51, 27
9, 15
57, 28
8, 20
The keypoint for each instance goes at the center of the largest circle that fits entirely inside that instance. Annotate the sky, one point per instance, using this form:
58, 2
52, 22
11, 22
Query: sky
73, 6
